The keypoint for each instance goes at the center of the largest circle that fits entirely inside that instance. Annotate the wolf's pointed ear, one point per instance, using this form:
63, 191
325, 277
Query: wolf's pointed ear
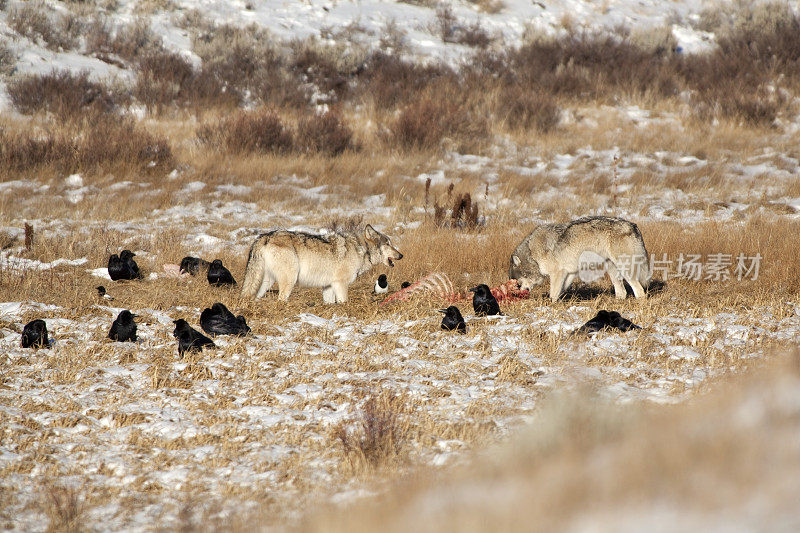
371, 234
515, 260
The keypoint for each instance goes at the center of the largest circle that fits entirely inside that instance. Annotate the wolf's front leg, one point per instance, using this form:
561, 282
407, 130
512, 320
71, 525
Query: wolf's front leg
340, 289
557, 281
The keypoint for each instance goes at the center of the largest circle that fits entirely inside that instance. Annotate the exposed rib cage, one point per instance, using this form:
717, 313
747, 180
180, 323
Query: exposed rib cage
438, 285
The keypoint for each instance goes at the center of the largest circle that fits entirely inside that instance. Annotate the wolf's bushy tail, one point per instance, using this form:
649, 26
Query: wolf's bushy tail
643, 272
254, 272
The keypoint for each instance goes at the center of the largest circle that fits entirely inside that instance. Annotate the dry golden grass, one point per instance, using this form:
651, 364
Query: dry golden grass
709, 461
260, 410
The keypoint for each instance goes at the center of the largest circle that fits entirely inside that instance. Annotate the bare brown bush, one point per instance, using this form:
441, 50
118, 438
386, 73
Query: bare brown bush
425, 124
57, 32
463, 213
378, 436
247, 59
130, 42
101, 145
62, 93
452, 30
8, 60
590, 66
446, 23
525, 109
281, 88
757, 108
259, 131
20, 152
474, 35
488, 6
388, 80
111, 142
738, 80
64, 509
324, 133
162, 80
331, 68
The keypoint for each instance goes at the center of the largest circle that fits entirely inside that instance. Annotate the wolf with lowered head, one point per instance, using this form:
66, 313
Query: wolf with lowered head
558, 250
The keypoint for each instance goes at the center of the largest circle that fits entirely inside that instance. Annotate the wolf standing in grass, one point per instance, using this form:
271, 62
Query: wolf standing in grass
329, 261
556, 250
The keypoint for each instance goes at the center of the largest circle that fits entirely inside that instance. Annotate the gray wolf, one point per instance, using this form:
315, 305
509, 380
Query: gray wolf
329, 261
556, 250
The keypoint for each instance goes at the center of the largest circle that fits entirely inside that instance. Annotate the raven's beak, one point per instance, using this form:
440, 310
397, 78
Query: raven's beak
443, 311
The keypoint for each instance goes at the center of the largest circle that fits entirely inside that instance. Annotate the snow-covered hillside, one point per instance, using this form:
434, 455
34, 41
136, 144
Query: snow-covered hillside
360, 23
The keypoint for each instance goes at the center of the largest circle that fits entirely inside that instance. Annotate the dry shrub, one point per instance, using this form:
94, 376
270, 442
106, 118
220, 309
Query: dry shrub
765, 18
388, 80
330, 67
151, 7
583, 66
378, 435
769, 44
64, 509
525, 109
24, 152
324, 133
446, 23
736, 81
248, 60
130, 42
425, 124
658, 40
166, 80
32, 20
111, 142
464, 214
194, 20
584, 460
393, 38
8, 60
100, 42
422, 3
758, 108
62, 93
162, 80
237, 56
282, 89
259, 131
473, 35
488, 6
106, 143
451, 30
